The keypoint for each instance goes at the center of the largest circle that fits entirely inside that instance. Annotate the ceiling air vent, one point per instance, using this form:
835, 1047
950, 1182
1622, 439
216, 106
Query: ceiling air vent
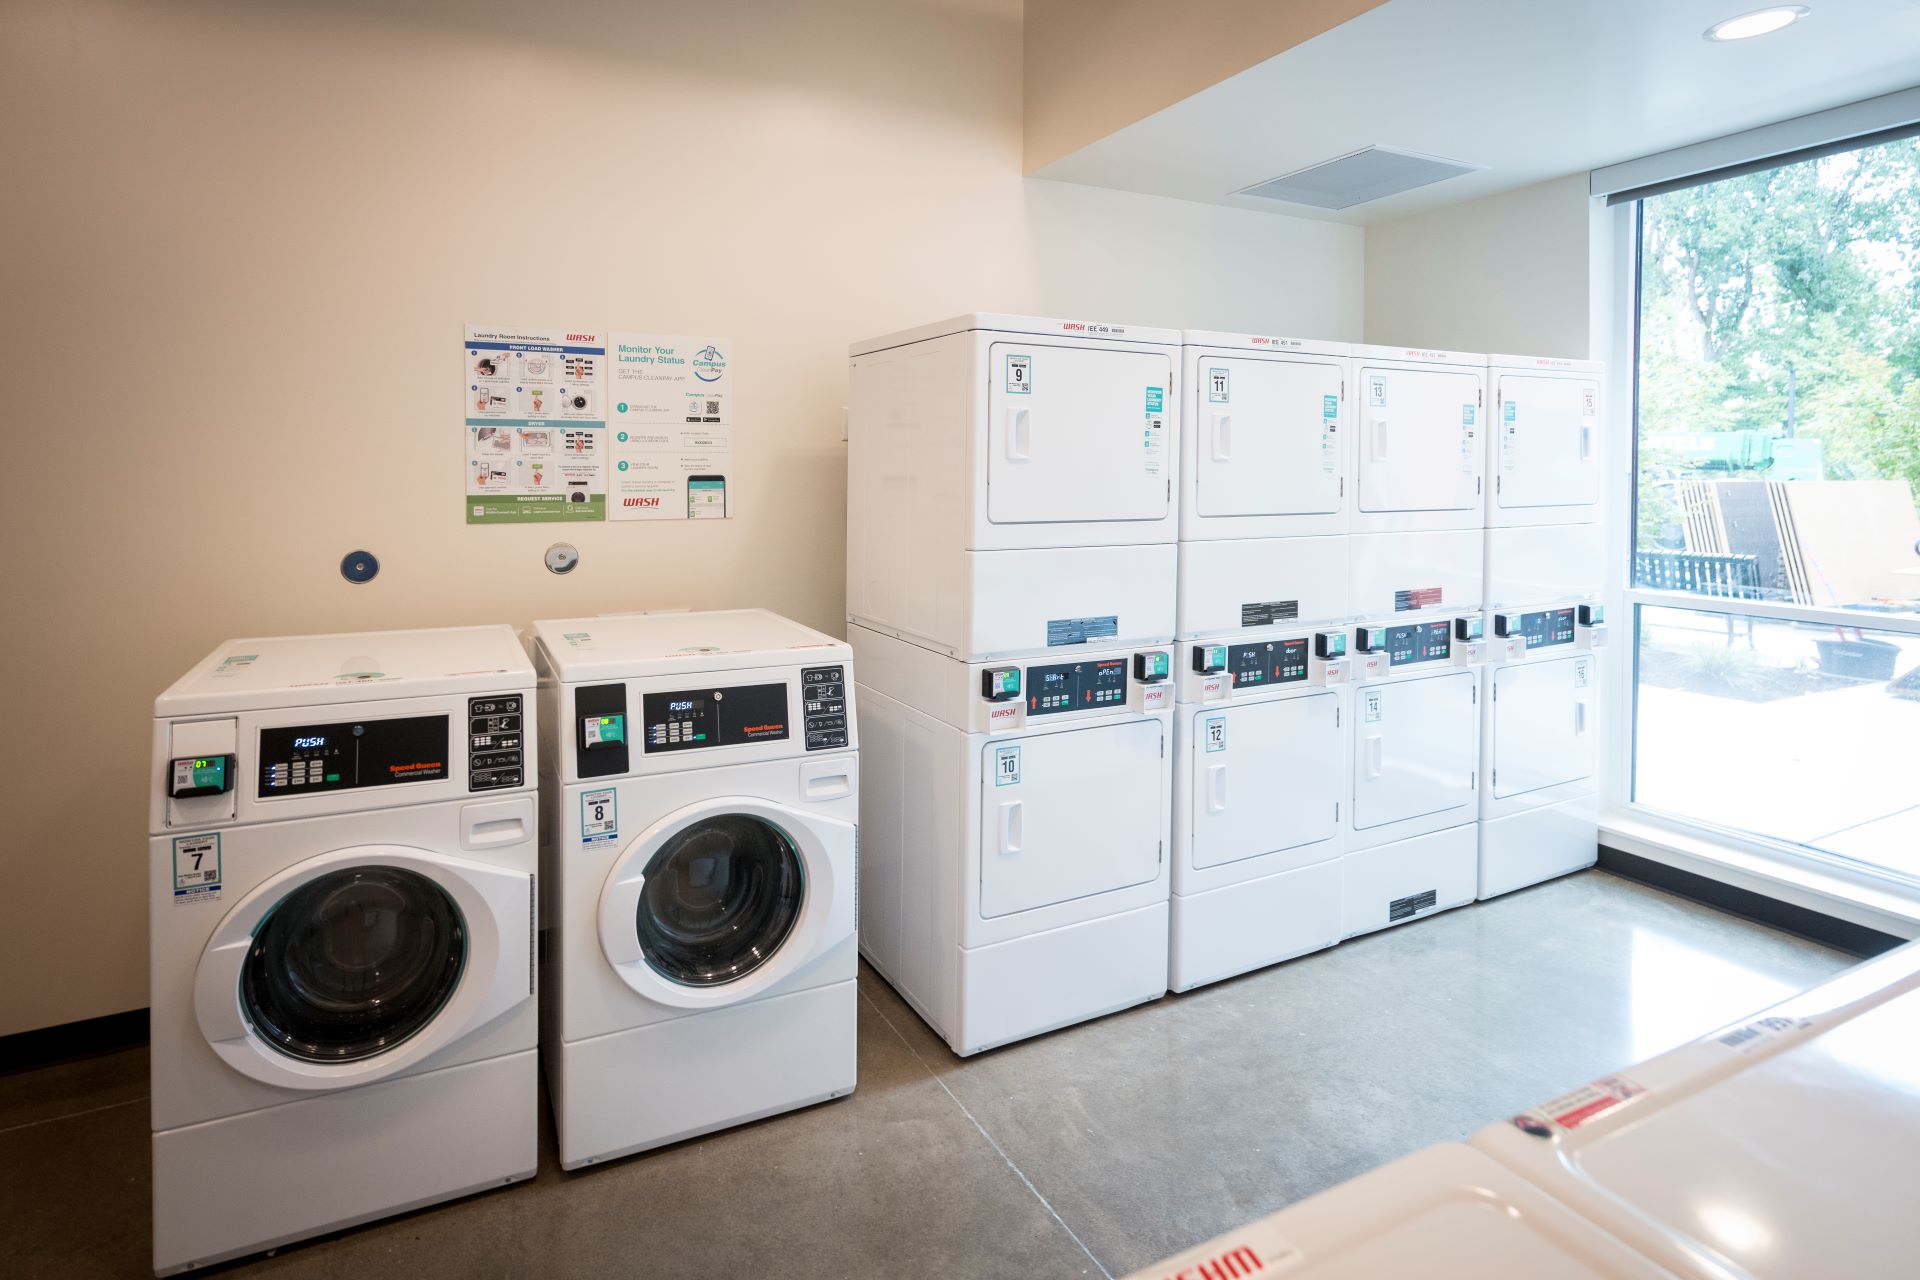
1358, 177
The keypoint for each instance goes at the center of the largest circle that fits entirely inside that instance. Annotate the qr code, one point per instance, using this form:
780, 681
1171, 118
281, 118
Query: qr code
713, 406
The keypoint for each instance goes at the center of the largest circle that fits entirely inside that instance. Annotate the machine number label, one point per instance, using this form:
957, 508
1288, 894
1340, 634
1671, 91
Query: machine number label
1006, 767
1580, 677
1019, 375
1377, 391
1588, 407
599, 817
1372, 712
196, 868
1219, 382
1216, 733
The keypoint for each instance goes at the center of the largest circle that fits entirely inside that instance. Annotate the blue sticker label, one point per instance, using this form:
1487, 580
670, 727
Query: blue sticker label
1466, 415
1080, 630
1155, 396
1329, 406
1512, 410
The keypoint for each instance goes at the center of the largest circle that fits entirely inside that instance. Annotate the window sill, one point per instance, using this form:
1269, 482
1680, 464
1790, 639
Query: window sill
1861, 899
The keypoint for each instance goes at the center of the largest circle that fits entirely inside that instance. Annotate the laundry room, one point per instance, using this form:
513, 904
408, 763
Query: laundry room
962, 638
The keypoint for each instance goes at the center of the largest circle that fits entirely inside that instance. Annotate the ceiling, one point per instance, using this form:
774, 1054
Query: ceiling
1525, 89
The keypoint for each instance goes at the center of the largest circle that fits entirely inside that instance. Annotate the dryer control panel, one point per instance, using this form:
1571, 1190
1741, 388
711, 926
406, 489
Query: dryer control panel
1220, 669
1008, 696
1393, 648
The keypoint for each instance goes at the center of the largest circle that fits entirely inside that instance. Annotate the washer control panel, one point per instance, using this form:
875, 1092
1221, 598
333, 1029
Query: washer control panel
823, 696
302, 759
700, 718
496, 745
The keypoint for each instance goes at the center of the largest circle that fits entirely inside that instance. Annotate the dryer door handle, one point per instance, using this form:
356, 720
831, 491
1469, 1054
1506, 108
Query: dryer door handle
1216, 788
1019, 435
1010, 826
1223, 437
1377, 440
1376, 756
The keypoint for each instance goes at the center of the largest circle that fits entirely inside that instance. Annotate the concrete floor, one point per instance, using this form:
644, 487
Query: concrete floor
1092, 1151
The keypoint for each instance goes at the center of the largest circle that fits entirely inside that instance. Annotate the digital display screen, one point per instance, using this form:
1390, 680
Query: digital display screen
1268, 662
1418, 642
298, 759
689, 721
1547, 628
1076, 686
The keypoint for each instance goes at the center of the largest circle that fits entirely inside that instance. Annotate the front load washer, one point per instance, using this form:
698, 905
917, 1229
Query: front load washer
1539, 745
1259, 759
1013, 872
701, 784
341, 898
1414, 798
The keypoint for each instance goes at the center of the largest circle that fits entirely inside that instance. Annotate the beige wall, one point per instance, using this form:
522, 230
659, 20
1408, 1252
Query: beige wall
242, 239
1516, 273
1096, 66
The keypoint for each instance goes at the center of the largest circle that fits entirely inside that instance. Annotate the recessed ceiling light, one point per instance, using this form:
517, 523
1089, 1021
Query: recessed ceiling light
1758, 23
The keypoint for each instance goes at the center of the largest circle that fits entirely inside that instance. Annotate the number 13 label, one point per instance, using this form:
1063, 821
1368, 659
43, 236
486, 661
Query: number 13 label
196, 868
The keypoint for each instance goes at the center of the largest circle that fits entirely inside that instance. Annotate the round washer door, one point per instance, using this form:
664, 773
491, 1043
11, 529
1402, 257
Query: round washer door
719, 901
352, 966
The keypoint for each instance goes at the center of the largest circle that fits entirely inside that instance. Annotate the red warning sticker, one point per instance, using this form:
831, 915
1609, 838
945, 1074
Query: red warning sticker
1571, 1110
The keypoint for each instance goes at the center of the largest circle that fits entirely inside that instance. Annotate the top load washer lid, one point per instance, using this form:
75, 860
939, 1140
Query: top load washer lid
625, 646
1783, 1146
1076, 330
1546, 365
1445, 1213
297, 671
1419, 355
1258, 342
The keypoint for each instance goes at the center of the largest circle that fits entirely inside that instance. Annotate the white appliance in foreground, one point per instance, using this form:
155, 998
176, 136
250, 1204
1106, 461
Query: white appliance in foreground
1014, 822
341, 896
1418, 470
1414, 795
1259, 763
1010, 485
1539, 745
1263, 482
1778, 1148
701, 791
1445, 1213
1544, 442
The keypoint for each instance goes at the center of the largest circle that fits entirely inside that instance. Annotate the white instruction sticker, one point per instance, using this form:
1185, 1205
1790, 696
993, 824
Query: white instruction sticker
196, 868
599, 817
1006, 767
1216, 733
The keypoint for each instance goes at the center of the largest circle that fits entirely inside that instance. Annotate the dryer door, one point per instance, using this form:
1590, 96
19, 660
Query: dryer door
357, 964
1265, 778
718, 901
1415, 752
1269, 437
1418, 441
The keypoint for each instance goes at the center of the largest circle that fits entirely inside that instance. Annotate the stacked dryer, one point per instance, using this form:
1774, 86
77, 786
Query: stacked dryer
1543, 580
1260, 730
1010, 599
1418, 464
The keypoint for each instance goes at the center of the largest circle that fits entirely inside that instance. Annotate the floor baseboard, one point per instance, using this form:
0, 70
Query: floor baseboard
29, 1049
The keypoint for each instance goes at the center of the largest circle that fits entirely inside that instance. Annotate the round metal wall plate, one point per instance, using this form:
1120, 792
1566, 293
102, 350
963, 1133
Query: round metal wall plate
359, 566
562, 557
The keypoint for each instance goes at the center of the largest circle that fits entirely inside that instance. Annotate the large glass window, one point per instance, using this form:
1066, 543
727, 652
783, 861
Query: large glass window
1776, 568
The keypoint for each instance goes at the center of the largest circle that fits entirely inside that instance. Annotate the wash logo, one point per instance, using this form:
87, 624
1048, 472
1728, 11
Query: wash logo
708, 364
638, 502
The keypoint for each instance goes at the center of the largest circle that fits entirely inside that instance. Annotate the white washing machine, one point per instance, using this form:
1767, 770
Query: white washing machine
1544, 458
1418, 471
1539, 737
341, 896
1259, 767
1015, 820
1444, 1213
1779, 1148
1414, 794
1263, 476
701, 786
1010, 485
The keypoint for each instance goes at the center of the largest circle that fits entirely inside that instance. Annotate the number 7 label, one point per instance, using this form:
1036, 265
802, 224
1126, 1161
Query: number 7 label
196, 868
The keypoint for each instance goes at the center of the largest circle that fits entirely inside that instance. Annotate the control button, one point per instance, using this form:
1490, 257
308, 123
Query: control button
1209, 658
200, 776
1330, 645
597, 733
1000, 684
1150, 668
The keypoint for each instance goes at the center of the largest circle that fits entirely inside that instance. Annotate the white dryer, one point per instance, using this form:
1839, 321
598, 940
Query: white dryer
1445, 1213
1418, 472
1010, 485
341, 897
701, 790
1013, 874
1414, 794
1543, 498
1263, 477
1778, 1148
1259, 766
1539, 815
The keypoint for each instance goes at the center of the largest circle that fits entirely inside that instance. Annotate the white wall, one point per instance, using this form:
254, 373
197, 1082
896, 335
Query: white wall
1519, 273
242, 240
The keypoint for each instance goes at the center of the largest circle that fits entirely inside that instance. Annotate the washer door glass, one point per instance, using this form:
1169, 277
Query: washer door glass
719, 899
352, 963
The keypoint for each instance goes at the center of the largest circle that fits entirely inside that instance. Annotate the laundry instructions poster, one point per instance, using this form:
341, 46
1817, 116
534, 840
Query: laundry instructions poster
536, 425
670, 416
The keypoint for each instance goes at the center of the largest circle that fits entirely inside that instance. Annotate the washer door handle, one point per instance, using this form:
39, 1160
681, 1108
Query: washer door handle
622, 902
